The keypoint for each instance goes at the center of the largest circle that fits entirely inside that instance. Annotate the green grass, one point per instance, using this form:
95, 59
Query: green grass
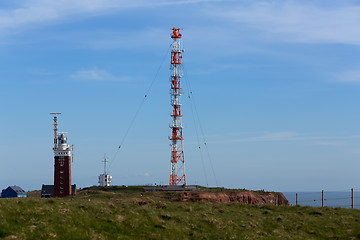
126, 213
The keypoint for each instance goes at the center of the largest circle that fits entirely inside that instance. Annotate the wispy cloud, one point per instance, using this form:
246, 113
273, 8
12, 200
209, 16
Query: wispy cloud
41, 71
292, 136
34, 12
352, 76
124, 39
96, 74
332, 143
276, 136
297, 22
275, 19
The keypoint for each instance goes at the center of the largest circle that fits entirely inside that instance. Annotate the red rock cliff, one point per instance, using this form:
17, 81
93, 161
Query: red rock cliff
246, 197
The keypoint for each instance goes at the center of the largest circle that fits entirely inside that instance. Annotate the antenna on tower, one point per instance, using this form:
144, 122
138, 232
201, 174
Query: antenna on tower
105, 161
72, 152
55, 128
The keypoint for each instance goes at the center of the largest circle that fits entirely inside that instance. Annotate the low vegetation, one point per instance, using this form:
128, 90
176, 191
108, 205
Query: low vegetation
128, 213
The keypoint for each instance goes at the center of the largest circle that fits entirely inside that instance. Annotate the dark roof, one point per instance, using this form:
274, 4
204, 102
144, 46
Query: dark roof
47, 189
17, 189
73, 189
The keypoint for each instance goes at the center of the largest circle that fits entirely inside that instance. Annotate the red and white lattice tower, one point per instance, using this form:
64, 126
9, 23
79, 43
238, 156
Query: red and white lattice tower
177, 174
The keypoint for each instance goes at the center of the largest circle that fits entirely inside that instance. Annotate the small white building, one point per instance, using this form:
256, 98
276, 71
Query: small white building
105, 178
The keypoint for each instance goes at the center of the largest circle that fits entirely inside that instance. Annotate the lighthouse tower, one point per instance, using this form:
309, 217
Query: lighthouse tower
62, 155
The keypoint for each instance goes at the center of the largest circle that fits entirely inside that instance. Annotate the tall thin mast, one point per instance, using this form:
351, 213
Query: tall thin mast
105, 161
55, 128
177, 172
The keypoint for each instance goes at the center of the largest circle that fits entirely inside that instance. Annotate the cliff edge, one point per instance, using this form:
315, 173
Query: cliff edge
246, 197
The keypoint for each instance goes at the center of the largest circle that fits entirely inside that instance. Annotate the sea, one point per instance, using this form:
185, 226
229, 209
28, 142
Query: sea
331, 199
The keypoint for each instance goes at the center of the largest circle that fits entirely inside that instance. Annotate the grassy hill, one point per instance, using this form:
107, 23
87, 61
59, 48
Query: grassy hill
127, 213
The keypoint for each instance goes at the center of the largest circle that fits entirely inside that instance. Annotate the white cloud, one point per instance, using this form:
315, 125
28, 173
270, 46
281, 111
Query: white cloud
41, 71
352, 76
297, 22
96, 75
279, 20
34, 12
332, 143
276, 136
124, 39
268, 137
292, 136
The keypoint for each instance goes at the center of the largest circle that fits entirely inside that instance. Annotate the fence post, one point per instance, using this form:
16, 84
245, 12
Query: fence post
297, 199
352, 197
322, 198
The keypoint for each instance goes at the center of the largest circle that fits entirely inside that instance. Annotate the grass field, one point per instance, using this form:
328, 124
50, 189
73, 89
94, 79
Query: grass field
126, 213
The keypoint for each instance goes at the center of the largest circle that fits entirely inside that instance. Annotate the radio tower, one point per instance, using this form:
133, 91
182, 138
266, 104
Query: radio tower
177, 174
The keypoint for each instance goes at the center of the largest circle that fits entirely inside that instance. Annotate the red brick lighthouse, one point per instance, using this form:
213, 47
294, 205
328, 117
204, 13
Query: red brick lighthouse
62, 155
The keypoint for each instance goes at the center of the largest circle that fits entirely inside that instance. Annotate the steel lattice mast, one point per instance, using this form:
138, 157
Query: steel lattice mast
177, 174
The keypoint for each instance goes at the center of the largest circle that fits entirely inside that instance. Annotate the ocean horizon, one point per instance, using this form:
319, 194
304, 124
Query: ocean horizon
331, 199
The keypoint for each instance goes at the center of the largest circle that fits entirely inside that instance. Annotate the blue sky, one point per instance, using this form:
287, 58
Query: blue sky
276, 86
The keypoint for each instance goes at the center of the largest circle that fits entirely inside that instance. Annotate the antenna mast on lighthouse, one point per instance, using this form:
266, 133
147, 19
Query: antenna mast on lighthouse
55, 128
177, 174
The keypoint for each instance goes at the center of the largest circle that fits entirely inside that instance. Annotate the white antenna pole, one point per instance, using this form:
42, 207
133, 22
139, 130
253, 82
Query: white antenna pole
105, 161
55, 128
72, 152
